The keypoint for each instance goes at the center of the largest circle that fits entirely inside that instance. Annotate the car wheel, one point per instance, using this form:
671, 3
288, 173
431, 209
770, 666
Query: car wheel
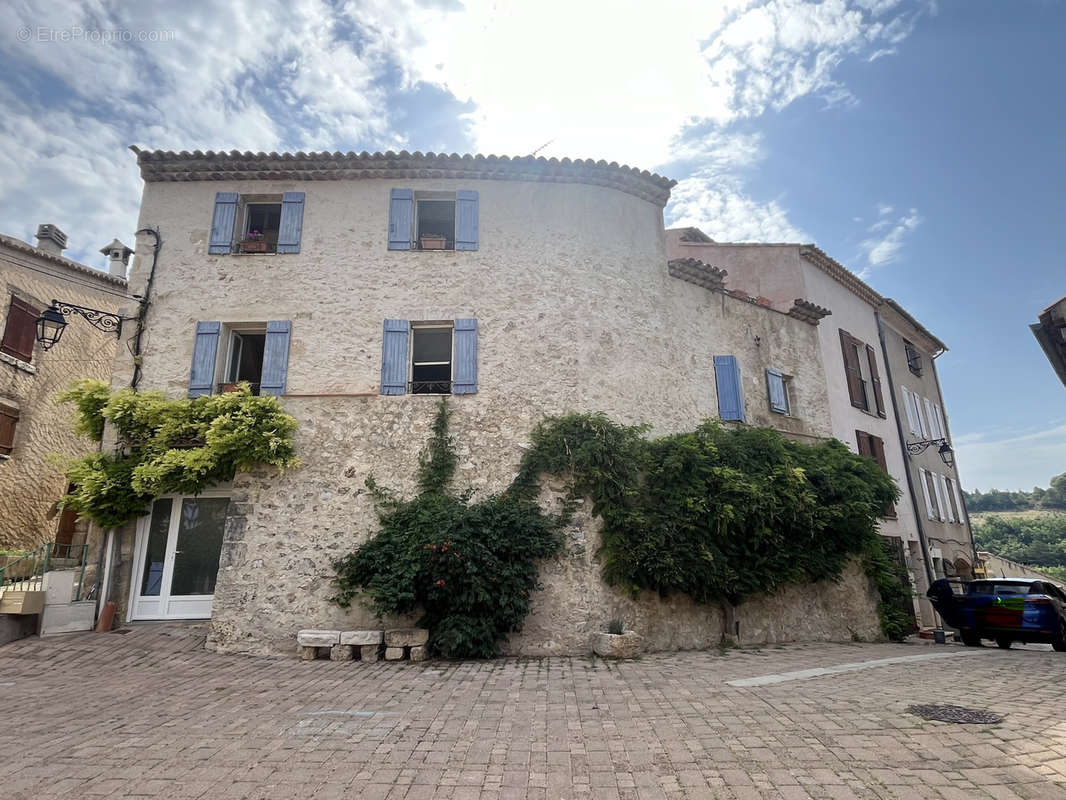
971, 638
1060, 643
1004, 643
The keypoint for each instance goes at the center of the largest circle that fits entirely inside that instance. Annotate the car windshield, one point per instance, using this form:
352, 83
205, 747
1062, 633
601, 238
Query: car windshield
999, 587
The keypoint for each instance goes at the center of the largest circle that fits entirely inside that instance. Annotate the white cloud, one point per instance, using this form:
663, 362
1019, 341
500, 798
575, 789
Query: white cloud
1011, 461
885, 247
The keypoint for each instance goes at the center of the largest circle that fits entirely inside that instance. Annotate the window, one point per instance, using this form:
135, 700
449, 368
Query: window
244, 359
953, 503
431, 359
914, 358
916, 422
433, 220
777, 388
874, 447
20, 331
256, 223
253, 352
9, 417
932, 505
864, 383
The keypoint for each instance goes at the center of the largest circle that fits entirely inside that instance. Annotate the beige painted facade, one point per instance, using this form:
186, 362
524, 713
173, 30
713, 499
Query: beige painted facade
576, 310
31, 480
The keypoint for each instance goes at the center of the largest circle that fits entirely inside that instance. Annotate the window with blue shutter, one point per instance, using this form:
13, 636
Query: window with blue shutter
730, 392
292, 222
777, 391
466, 212
464, 377
222, 223
202, 372
394, 356
401, 216
275, 357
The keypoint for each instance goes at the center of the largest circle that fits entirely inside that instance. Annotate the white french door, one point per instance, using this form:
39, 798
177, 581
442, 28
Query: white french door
177, 551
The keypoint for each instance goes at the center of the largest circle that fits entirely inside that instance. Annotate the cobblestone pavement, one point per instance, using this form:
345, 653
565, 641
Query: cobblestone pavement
152, 714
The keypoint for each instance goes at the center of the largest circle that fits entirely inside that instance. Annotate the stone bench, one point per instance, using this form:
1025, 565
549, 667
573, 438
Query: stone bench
394, 645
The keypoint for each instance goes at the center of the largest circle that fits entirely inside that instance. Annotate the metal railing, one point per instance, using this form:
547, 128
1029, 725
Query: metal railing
26, 574
429, 387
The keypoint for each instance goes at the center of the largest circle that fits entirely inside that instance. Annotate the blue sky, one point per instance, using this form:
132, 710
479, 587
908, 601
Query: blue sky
919, 143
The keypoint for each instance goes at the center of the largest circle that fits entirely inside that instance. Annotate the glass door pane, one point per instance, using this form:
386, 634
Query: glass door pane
156, 549
199, 545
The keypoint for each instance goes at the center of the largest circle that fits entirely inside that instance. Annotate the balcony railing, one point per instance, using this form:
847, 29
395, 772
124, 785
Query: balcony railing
430, 387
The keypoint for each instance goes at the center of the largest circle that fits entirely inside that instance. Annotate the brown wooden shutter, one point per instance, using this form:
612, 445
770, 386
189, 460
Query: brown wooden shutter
862, 439
8, 418
851, 369
20, 332
875, 379
874, 447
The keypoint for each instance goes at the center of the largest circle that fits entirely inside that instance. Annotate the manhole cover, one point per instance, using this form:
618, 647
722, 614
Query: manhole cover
958, 714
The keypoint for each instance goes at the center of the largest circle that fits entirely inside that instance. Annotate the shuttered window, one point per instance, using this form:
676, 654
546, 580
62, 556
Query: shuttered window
875, 380
874, 447
9, 418
849, 345
913, 425
777, 390
914, 358
931, 500
953, 499
427, 220
730, 390
256, 225
20, 330
442, 358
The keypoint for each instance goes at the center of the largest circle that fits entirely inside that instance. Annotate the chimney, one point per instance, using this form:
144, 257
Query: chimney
51, 239
119, 257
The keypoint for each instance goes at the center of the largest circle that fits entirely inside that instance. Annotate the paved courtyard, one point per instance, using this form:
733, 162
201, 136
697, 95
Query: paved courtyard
149, 713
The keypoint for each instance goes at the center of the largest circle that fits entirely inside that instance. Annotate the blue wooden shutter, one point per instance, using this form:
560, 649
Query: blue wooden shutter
775, 385
465, 220
222, 223
275, 357
202, 373
292, 222
464, 372
401, 212
730, 394
394, 356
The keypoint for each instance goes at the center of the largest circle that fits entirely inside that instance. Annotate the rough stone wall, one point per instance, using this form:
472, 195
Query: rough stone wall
576, 311
30, 480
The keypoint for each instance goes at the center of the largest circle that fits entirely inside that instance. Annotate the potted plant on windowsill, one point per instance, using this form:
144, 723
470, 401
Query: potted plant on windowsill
254, 243
617, 642
433, 241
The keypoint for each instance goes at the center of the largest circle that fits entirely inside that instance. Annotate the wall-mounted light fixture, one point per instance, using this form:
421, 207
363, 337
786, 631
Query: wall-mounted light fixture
947, 455
52, 322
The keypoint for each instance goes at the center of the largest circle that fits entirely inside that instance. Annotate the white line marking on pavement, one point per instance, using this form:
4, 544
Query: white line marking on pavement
818, 672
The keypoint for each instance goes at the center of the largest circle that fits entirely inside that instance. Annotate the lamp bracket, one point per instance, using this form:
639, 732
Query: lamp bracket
101, 320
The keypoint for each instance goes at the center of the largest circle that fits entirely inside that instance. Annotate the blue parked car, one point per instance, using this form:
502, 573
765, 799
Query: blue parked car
1005, 609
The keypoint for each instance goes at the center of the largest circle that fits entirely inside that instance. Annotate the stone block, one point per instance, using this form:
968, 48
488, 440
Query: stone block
394, 654
342, 652
318, 638
418, 653
370, 652
406, 637
618, 645
362, 638
308, 653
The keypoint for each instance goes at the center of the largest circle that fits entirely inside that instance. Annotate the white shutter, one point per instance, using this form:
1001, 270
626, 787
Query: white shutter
912, 423
941, 496
934, 431
940, 421
925, 493
958, 498
924, 432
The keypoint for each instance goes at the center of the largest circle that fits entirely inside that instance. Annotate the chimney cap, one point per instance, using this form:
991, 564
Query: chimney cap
46, 230
108, 249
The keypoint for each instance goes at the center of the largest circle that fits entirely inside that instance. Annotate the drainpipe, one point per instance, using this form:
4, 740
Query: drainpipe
903, 448
962, 494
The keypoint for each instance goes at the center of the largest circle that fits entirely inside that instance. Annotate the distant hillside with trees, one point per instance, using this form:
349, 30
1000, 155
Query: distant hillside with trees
1029, 527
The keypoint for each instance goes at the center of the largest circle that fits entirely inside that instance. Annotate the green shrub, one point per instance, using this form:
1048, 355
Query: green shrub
182, 446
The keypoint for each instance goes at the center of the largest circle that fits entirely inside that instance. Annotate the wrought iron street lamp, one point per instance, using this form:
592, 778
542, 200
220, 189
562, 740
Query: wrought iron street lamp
52, 322
947, 455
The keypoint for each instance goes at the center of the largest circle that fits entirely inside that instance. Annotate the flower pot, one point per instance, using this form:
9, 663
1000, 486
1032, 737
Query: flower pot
255, 246
231, 387
618, 645
433, 242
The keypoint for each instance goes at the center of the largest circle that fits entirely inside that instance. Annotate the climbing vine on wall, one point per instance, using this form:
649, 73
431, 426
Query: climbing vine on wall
182, 446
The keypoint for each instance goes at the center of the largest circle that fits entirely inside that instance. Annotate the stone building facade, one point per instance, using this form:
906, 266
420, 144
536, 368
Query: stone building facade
867, 410
547, 291
34, 428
